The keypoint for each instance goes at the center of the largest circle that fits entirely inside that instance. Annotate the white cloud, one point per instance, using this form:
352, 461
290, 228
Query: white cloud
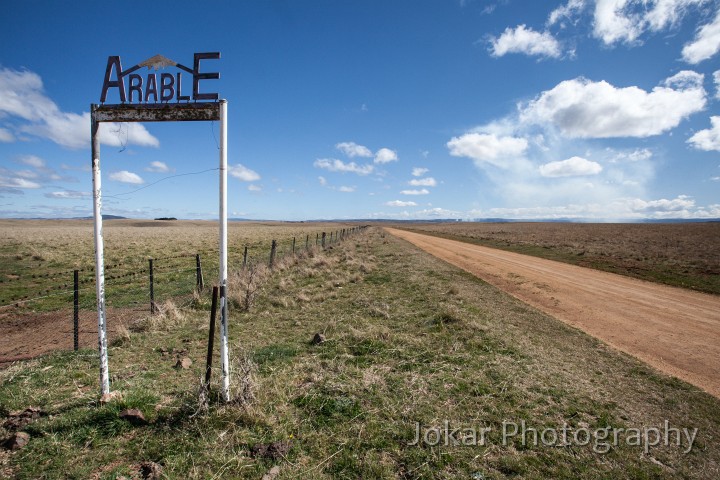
581, 108
22, 95
322, 180
335, 165
243, 173
352, 149
682, 202
422, 191
419, 171
158, 167
423, 182
630, 156
527, 41
68, 195
6, 136
126, 177
385, 155
32, 161
573, 166
716, 79
709, 139
400, 203
490, 148
626, 20
705, 44
569, 10
15, 182
346, 189
254, 188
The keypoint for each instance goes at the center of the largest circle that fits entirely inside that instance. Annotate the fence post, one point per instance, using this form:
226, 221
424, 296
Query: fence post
76, 309
211, 337
307, 242
245, 258
323, 239
198, 273
272, 253
293, 246
152, 287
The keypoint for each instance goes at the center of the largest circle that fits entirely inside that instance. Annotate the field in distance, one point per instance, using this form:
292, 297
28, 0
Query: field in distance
679, 254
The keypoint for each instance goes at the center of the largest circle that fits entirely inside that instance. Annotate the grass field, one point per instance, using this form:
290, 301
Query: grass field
409, 340
679, 254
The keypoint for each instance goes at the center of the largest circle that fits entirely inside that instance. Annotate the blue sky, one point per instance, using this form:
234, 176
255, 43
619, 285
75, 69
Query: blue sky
406, 109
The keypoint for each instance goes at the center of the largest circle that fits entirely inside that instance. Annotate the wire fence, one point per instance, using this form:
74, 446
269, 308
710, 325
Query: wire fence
49, 311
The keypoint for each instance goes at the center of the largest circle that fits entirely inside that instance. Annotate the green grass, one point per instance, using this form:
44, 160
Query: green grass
408, 339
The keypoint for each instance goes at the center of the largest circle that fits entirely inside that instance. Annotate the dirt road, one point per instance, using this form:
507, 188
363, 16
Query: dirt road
676, 331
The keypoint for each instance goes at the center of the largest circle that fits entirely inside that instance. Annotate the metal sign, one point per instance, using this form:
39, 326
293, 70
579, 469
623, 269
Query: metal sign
136, 106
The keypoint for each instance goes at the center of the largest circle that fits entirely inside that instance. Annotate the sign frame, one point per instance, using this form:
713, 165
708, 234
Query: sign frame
215, 110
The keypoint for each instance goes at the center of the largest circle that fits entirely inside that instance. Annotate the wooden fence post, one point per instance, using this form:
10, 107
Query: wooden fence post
245, 258
293, 246
198, 273
152, 287
76, 309
211, 337
272, 253
323, 239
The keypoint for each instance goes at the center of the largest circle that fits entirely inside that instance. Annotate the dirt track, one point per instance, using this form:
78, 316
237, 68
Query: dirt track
676, 331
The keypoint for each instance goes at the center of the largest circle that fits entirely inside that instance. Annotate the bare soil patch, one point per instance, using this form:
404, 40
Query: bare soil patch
675, 330
679, 254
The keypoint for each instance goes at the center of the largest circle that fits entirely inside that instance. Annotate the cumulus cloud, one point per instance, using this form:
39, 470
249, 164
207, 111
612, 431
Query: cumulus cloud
419, 171
322, 180
158, 167
68, 195
680, 203
385, 155
705, 44
716, 79
400, 203
422, 191
572, 167
22, 96
352, 149
526, 41
335, 165
127, 177
581, 108
709, 139
346, 189
487, 147
243, 173
254, 188
423, 182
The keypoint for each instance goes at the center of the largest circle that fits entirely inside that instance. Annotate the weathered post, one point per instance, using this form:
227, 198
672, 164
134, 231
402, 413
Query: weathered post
323, 239
76, 309
152, 287
273, 247
293, 248
211, 336
245, 258
198, 274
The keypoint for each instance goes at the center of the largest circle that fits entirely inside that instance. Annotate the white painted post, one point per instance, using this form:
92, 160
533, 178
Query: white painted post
223, 254
99, 259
